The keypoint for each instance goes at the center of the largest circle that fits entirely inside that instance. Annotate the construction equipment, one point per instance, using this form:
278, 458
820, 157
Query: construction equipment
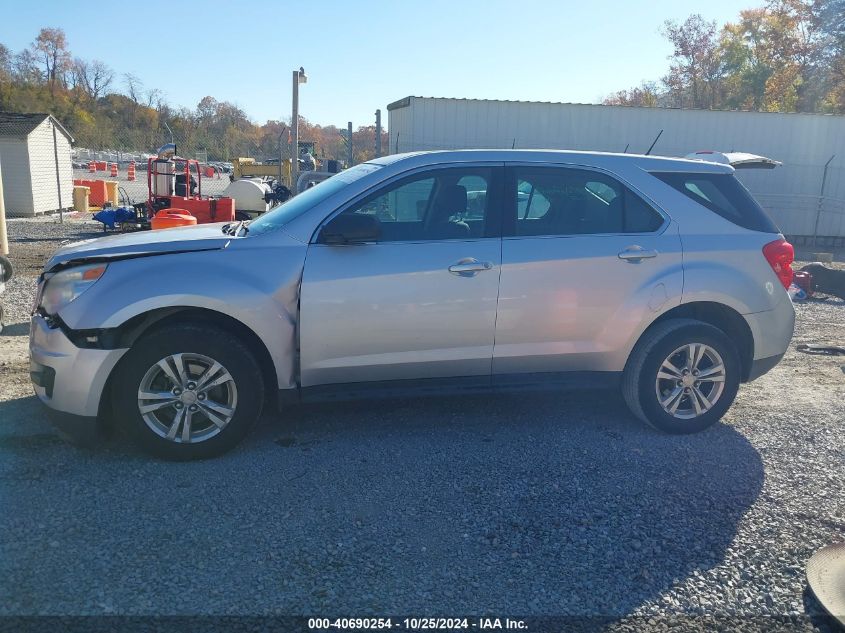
250, 168
258, 186
171, 184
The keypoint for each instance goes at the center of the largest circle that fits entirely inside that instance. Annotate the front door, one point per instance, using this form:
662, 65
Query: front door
418, 303
585, 261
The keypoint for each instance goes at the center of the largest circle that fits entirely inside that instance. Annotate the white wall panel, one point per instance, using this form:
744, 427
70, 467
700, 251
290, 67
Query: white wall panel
804, 142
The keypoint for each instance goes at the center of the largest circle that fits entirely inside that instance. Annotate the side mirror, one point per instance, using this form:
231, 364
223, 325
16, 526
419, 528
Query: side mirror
351, 229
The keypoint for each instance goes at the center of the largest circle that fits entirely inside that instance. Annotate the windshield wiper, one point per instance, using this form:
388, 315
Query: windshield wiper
232, 228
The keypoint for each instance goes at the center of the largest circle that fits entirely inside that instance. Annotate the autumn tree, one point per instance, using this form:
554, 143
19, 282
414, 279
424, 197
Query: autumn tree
25, 67
94, 77
787, 56
50, 47
5, 74
645, 95
695, 63
830, 16
110, 111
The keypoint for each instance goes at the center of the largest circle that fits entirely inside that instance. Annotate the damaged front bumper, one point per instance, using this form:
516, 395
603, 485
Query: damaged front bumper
67, 378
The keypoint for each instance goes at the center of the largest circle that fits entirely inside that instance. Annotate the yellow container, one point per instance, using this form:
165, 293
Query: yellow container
80, 198
111, 192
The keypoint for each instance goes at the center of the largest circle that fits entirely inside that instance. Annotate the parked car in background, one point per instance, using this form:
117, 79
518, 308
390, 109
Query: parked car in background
429, 272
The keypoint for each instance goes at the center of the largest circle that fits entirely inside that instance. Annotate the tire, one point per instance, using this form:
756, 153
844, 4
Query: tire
5, 269
641, 382
237, 399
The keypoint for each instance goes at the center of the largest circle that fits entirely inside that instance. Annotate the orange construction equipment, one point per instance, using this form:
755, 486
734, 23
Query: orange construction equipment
171, 184
92, 167
99, 193
114, 170
112, 194
80, 198
171, 218
130, 172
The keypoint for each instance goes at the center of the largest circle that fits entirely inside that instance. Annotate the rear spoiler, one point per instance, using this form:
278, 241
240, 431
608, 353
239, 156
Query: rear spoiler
737, 160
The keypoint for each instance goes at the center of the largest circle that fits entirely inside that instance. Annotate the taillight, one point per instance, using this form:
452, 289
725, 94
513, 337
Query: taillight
780, 256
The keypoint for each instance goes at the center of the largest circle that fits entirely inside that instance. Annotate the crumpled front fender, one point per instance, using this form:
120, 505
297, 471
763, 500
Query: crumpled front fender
257, 286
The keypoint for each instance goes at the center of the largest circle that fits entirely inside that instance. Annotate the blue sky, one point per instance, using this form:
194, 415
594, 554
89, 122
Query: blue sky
362, 54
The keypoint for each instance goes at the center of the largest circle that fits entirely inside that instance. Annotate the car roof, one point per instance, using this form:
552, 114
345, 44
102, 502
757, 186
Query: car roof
597, 159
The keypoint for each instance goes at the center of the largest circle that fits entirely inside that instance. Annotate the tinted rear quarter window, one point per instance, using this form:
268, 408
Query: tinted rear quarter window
724, 195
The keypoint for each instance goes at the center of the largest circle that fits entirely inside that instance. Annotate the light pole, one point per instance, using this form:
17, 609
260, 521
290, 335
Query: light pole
299, 77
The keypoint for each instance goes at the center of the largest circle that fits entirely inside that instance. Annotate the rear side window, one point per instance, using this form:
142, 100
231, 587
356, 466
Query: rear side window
571, 201
724, 195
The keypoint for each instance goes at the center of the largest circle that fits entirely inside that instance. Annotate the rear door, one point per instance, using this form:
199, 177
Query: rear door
421, 301
584, 261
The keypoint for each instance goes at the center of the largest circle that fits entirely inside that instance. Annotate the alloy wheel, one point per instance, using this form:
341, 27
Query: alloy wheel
690, 381
187, 398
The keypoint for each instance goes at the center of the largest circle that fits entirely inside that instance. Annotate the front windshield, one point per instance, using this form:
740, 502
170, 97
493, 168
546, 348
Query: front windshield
296, 206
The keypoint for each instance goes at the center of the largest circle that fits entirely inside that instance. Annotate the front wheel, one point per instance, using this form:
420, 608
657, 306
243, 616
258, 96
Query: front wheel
682, 376
188, 392
5, 269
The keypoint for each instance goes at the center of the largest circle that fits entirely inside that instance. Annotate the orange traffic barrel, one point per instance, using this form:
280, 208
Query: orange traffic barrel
171, 217
114, 170
92, 167
130, 172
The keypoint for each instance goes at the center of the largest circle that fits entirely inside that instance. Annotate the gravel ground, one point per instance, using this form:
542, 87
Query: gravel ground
529, 505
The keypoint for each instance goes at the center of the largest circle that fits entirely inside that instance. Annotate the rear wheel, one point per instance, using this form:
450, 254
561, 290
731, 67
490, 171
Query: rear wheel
682, 376
188, 392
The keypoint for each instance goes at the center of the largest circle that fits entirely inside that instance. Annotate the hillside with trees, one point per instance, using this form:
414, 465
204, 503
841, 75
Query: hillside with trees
106, 110
788, 56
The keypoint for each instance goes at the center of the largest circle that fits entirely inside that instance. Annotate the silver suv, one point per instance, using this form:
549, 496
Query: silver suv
436, 271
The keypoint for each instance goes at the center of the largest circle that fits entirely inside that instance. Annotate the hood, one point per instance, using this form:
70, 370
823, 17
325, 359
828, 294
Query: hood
203, 237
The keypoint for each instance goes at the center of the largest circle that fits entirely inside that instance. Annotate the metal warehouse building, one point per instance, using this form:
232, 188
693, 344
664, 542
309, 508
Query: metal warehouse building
805, 143
36, 164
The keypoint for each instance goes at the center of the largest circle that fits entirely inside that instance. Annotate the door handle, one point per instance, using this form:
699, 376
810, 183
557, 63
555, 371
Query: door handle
635, 254
469, 267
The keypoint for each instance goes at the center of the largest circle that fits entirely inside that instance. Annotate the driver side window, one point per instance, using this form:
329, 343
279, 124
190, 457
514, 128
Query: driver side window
433, 205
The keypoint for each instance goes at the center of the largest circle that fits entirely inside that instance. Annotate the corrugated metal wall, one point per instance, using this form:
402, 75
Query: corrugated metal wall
803, 142
17, 191
43, 165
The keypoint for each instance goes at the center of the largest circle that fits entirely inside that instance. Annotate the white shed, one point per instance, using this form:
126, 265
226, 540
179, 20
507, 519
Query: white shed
811, 146
36, 164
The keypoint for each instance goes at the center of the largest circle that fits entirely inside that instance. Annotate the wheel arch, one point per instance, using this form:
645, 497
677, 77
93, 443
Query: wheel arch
129, 332
731, 322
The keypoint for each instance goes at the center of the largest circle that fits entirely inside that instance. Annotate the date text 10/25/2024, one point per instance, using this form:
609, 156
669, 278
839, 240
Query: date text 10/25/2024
416, 624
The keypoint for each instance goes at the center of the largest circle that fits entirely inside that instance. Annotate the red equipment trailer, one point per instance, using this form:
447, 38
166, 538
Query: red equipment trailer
171, 184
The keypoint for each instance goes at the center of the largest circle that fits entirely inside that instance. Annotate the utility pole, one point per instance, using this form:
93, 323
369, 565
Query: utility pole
349, 145
299, 77
378, 133
282, 152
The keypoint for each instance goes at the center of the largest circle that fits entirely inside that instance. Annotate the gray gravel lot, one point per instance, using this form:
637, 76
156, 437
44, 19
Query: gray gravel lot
529, 504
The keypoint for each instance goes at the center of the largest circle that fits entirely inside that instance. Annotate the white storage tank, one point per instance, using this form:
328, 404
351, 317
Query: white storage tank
248, 194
